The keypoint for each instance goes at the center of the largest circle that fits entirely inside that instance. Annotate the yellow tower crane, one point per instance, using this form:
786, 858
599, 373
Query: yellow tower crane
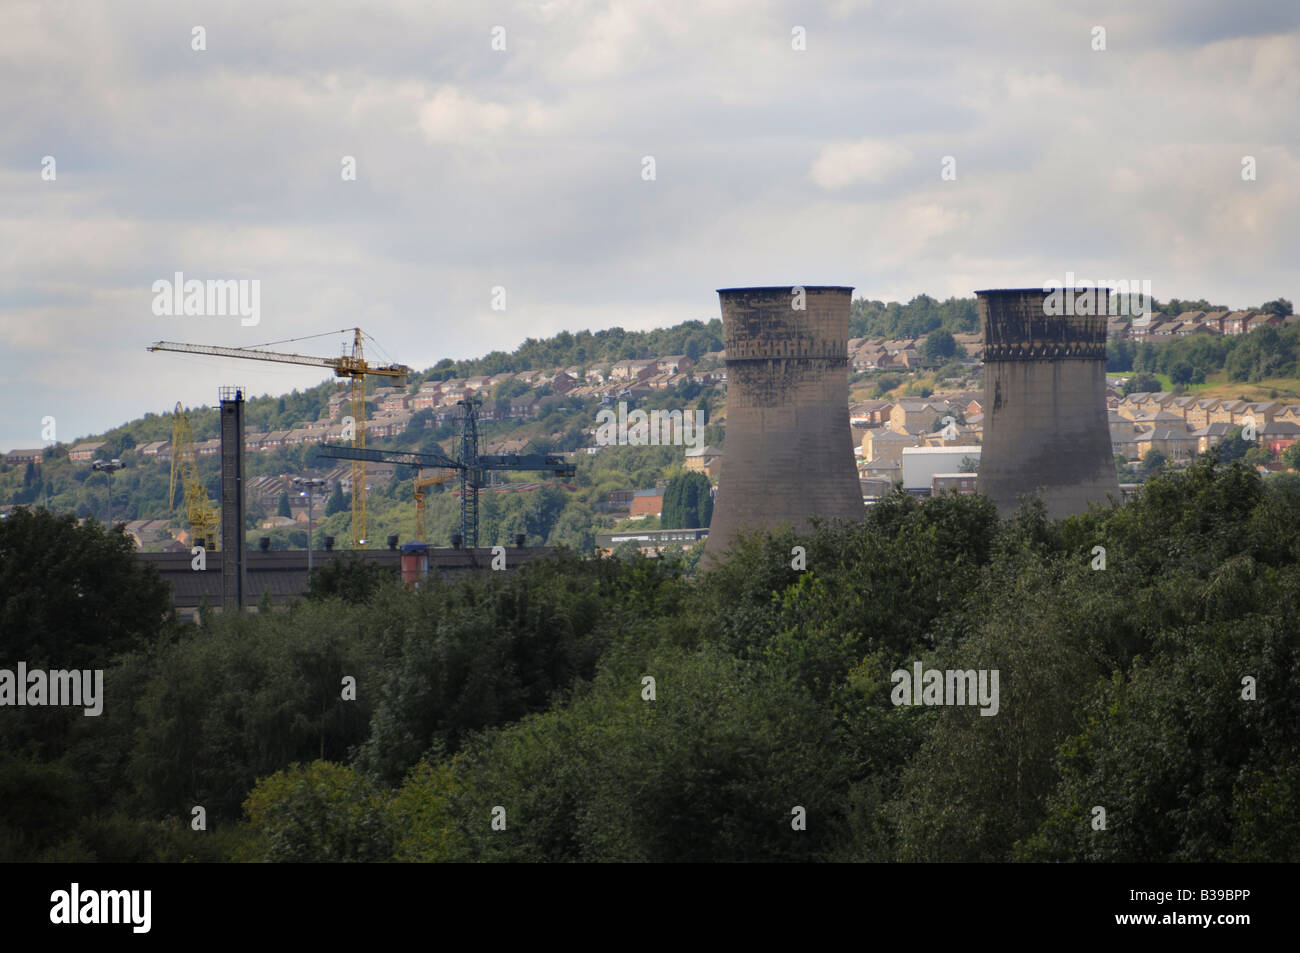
421, 533
203, 516
352, 366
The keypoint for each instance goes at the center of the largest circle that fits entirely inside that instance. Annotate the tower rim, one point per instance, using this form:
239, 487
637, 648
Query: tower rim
1039, 290
785, 289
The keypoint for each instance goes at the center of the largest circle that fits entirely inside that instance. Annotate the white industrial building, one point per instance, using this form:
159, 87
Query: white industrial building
922, 464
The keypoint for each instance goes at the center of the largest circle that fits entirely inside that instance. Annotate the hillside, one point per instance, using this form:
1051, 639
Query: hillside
544, 397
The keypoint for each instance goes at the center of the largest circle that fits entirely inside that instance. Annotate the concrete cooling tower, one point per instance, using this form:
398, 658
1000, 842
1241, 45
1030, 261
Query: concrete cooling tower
1045, 421
788, 454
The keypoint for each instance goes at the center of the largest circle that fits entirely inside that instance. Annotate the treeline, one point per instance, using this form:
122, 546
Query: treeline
920, 316
1177, 306
620, 710
1259, 355
589, 349
924, 314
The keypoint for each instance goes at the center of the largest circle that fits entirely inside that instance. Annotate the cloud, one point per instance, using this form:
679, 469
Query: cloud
865, 162
452, 116
522, 168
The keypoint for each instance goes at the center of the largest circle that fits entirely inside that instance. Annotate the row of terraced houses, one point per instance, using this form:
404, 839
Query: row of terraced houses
1159, 326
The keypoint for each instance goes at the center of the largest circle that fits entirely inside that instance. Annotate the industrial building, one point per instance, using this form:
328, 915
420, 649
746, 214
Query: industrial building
922, 464
1046, 429
789, 449
283, 575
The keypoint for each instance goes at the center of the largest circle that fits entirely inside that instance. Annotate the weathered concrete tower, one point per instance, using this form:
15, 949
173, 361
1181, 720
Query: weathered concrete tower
788, 454
1045, 422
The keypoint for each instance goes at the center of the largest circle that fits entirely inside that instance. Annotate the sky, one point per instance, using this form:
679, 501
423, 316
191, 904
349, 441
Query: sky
523, 168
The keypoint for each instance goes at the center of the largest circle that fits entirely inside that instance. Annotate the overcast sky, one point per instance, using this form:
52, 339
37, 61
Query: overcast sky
525, 168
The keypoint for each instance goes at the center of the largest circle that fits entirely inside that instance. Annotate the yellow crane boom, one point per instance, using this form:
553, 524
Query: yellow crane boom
421, 533
352, 366
202, 515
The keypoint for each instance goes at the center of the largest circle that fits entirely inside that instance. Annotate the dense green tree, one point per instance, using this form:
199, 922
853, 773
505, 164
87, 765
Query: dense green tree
492, 649
282, 506
1124, 687
1258, 456
535, 515
938, 345
1291, 456
1177, 306
1283, 480
337, 502
1232, 446
956, 803
1190, 765
688, 502
952, 370
708, 771
44, 802
1141, 383
627, 551
246, 697
73, 596
918, 317
319, 813
1146, 358
351, 578
1119, 355
573, 528
886, 383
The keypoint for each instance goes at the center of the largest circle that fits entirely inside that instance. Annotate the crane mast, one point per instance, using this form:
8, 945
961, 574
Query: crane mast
202, 515
421, 483
469, 469
352, 366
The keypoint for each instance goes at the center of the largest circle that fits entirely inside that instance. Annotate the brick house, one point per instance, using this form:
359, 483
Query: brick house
1277, 435
84, 452
396, 403
1236, 322
674, 363
886, 444
647, 502
1174, 443
1210, 435
870, 413
706, 460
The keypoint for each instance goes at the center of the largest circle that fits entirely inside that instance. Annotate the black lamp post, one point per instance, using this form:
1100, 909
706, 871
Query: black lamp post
311, 485
109, 467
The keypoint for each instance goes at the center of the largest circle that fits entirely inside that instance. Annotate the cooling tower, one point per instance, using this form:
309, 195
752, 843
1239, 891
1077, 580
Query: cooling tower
788, 454
1045, 421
